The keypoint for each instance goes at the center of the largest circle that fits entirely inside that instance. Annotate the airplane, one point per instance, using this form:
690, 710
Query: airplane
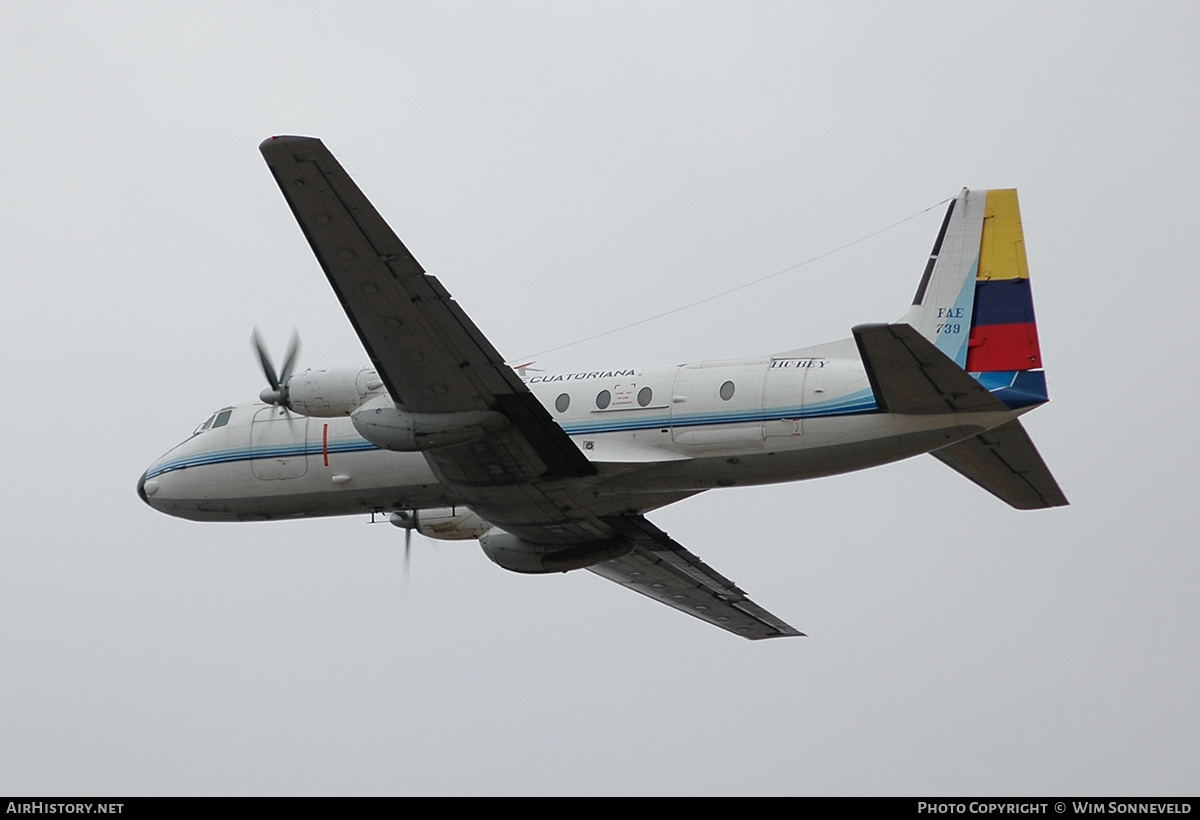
553, 472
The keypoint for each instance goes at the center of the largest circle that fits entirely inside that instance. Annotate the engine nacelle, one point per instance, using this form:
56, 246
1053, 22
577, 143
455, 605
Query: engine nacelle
337, 391
442, 523
513, 554
385, 425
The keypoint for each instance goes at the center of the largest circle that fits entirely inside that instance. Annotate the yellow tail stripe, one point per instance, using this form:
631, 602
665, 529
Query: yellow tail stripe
1002, 246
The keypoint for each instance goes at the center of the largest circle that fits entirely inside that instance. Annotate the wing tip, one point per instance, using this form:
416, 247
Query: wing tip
285, 140
794, 633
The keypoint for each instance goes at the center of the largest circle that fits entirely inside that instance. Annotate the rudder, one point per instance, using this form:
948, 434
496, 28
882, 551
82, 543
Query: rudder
1003, 331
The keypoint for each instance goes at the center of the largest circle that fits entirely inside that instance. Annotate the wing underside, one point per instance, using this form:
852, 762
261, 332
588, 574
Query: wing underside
662, 569
1006, 463
427, 351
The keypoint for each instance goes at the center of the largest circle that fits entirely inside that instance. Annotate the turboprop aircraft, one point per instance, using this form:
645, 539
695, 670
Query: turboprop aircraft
553, 472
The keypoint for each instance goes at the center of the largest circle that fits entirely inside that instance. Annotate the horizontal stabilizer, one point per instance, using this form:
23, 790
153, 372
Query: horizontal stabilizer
909, 375
661, 568
1005, 462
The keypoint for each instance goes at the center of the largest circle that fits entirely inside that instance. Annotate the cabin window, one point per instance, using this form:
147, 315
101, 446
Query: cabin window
644, 396
603, 399
727, 391
562, 402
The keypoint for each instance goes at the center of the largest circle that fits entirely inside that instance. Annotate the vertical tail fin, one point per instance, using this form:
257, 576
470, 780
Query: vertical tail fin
945, 301
974, 301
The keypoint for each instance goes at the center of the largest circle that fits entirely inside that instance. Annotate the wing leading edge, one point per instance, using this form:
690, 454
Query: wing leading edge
429, 354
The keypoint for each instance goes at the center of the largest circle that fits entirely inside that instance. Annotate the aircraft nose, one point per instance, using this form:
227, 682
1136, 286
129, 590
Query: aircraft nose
146, 489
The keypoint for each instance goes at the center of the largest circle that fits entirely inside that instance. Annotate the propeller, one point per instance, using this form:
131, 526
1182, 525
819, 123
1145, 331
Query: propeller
277, 393
407, 554
407, 521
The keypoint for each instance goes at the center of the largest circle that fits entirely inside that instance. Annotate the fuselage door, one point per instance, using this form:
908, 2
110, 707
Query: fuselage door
277, 444
782, 397
813, 397
718, 406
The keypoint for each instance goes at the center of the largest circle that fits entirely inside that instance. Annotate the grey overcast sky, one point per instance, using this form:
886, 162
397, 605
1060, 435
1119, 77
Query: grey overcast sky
566, 168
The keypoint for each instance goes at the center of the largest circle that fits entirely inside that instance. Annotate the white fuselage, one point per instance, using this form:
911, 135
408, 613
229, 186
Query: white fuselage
654, 434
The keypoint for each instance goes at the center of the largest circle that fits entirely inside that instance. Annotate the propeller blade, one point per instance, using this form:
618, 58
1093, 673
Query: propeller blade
407, 556
264, 359
407, 520
277, 393
289, 360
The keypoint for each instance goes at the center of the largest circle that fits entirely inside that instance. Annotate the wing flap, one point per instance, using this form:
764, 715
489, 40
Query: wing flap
909, 375
1005, 462
662, 569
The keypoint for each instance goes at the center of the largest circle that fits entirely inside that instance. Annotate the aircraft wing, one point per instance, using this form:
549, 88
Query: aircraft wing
661, 568
433, 359
429, 354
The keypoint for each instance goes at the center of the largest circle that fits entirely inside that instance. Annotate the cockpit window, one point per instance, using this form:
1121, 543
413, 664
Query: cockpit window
217, 419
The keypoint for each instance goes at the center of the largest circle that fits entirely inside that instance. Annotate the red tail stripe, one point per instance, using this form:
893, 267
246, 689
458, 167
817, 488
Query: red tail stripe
1003, 347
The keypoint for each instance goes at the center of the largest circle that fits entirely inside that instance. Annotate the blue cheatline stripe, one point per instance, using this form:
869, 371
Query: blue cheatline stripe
854, 404
236, 454
1003, 302
862, 401
1016, 389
